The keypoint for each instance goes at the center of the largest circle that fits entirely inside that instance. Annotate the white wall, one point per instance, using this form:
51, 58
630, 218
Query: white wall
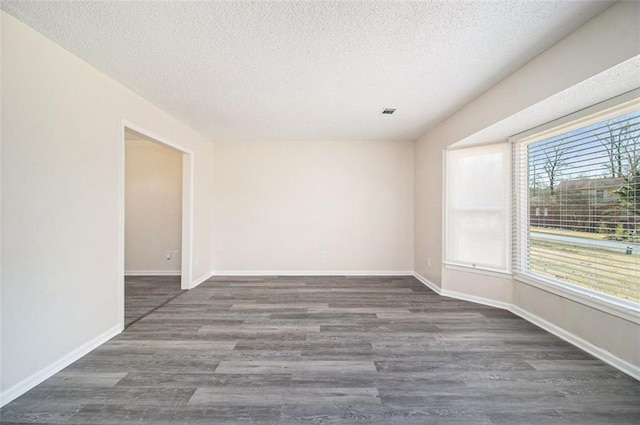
608, 40
62, 167
153, 207
280, 204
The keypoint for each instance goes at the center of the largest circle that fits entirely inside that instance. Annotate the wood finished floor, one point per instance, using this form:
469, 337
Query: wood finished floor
143, 294
317, 350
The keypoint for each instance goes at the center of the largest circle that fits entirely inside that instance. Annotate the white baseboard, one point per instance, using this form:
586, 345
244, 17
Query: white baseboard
25, 385
312, 273
475, 299
201, 279
426, 282
620, 364
459, 295
152, 272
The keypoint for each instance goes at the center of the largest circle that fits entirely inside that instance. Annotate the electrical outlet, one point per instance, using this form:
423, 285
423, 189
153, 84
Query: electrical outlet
167, 255
174, 254
323, 253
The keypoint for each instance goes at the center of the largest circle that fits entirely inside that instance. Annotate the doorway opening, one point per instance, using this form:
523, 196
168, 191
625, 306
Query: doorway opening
156, 223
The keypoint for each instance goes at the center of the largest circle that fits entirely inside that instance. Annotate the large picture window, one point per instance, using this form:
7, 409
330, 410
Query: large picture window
577, 203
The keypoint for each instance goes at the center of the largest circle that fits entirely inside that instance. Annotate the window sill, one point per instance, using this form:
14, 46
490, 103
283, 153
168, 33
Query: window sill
626, 310
479, 270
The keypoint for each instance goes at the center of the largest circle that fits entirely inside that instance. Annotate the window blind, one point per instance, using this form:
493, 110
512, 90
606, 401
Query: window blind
577, 208
477, 206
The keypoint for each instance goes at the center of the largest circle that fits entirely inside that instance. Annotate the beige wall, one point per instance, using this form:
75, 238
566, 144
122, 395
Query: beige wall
492, 286
280, 205
613, 334
153, 207
608, 40
257, 206
62, 173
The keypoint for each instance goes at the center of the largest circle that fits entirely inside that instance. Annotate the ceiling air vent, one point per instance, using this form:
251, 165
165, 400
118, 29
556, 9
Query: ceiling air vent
388, 111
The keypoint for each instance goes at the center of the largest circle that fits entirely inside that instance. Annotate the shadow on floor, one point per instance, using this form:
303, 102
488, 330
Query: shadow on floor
144, 294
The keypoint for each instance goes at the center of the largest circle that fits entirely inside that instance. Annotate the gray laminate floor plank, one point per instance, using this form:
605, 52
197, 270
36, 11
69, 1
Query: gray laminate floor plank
326, 350
142, 294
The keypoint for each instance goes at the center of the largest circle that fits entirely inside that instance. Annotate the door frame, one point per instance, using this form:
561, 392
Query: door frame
186, 250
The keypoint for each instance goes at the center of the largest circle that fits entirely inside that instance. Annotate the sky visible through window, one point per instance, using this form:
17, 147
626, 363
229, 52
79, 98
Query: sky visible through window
587, 152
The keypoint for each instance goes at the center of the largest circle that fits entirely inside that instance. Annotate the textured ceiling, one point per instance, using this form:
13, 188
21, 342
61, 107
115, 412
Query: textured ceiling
307, 70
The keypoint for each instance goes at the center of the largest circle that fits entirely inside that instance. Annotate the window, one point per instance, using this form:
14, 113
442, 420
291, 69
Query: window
586, 178
477, 207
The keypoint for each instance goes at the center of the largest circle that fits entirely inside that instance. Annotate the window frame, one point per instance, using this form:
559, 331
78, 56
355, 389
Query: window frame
603, 111
452, 264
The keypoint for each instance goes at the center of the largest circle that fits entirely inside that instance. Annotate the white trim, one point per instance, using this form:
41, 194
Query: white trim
26, 384
121, 225
312, 273
187, 208
445, 190
475, 299
459, 295
622, 365
479, 270
154, 137
201, 279
584, 297
426, 282
152, 272
187, 259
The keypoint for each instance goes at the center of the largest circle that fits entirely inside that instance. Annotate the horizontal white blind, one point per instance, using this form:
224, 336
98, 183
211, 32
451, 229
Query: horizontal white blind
577, 207
477, 200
